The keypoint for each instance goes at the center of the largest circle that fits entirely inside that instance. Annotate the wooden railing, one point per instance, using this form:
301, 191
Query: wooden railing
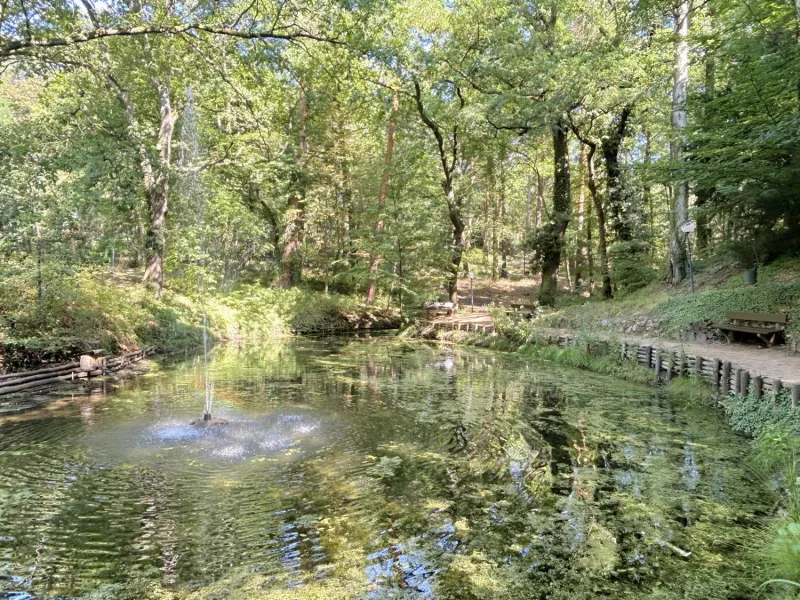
85, 368
462, 326
723, 376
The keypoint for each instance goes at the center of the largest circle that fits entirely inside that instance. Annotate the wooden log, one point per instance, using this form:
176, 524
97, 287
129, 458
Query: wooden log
698, 366
648, 356
726, 377
758, 387
33, 384
670, 365
30, 378
55, 369
657, 364
745, 383
737, 382
795, 395
715, 374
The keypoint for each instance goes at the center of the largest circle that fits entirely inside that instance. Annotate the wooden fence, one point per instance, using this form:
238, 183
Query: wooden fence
462, 326
723, 376
85, 368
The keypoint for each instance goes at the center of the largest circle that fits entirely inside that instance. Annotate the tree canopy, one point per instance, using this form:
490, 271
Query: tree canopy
387, 148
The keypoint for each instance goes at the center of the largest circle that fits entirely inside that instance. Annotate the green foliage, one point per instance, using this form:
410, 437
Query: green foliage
756, 416
692, 391
630, 265
680, 310
98, 309
591, 354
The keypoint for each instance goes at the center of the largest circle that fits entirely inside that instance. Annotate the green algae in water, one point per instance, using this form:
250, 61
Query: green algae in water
353, 468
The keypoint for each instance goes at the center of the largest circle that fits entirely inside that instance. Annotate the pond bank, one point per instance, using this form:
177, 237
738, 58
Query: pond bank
113, 311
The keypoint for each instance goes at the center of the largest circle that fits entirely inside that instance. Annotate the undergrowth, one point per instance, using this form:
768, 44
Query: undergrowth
95, 309
755, 417
777, 290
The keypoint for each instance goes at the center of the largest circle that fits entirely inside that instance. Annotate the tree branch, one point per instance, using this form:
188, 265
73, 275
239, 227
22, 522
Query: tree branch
15, 46
431, 124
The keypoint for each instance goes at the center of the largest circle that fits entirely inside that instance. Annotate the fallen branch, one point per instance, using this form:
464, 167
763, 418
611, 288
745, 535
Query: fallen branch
679, 551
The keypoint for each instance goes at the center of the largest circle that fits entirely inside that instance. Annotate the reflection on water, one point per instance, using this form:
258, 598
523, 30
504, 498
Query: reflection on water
373, 468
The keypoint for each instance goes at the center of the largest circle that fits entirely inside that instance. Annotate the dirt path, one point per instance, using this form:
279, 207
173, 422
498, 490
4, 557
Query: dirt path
767, 362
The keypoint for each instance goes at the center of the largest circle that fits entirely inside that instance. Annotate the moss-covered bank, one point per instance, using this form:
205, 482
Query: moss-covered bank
99, 309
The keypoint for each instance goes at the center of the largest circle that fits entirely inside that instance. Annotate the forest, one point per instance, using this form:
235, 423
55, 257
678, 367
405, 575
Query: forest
385, 149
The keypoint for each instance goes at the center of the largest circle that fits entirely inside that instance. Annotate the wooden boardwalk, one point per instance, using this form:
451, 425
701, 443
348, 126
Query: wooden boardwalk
478, 321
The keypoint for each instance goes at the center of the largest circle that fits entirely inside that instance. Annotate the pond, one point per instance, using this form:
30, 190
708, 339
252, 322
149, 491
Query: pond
375, 468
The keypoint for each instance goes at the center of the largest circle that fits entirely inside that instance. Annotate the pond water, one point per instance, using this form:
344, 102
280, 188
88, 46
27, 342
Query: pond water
375, 468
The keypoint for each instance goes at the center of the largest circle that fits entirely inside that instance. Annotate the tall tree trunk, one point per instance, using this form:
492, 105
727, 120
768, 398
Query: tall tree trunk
581, 250
540, 189
705, 193
610, 146
602, 244
384, 191
291, 259
648, 194
492, 194
677, 243
560, 219
503, 240
456, 220
589, 250
528, 199
448, 157
158, 190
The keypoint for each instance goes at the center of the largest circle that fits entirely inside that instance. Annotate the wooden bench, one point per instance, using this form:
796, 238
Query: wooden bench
436, 308
526, 311
768, 327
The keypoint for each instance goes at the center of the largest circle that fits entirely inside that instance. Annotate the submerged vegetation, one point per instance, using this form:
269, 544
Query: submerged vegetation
378, 468
771, 422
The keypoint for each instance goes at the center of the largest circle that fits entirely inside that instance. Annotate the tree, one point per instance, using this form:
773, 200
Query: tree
677, 244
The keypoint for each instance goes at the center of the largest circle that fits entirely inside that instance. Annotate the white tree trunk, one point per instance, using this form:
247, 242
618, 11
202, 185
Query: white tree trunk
677, 244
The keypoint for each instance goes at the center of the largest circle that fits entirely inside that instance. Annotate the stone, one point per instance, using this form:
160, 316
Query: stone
604, 323
88, 363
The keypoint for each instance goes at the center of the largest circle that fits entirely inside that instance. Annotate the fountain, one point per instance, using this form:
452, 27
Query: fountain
190, 179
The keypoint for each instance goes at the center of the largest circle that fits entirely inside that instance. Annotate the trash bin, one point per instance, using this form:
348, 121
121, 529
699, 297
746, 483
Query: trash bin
751, 275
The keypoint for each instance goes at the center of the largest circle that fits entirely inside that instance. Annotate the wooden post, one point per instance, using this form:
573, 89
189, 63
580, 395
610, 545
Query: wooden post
737, 382
758, 387
657, 366
715, 374
624, 350
777, 386
726, 377
745, 383
795, 395
670, 365
681, 365
648, 356
698, 366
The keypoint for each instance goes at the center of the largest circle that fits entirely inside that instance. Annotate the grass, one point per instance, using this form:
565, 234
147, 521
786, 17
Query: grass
98, 309
718, 291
